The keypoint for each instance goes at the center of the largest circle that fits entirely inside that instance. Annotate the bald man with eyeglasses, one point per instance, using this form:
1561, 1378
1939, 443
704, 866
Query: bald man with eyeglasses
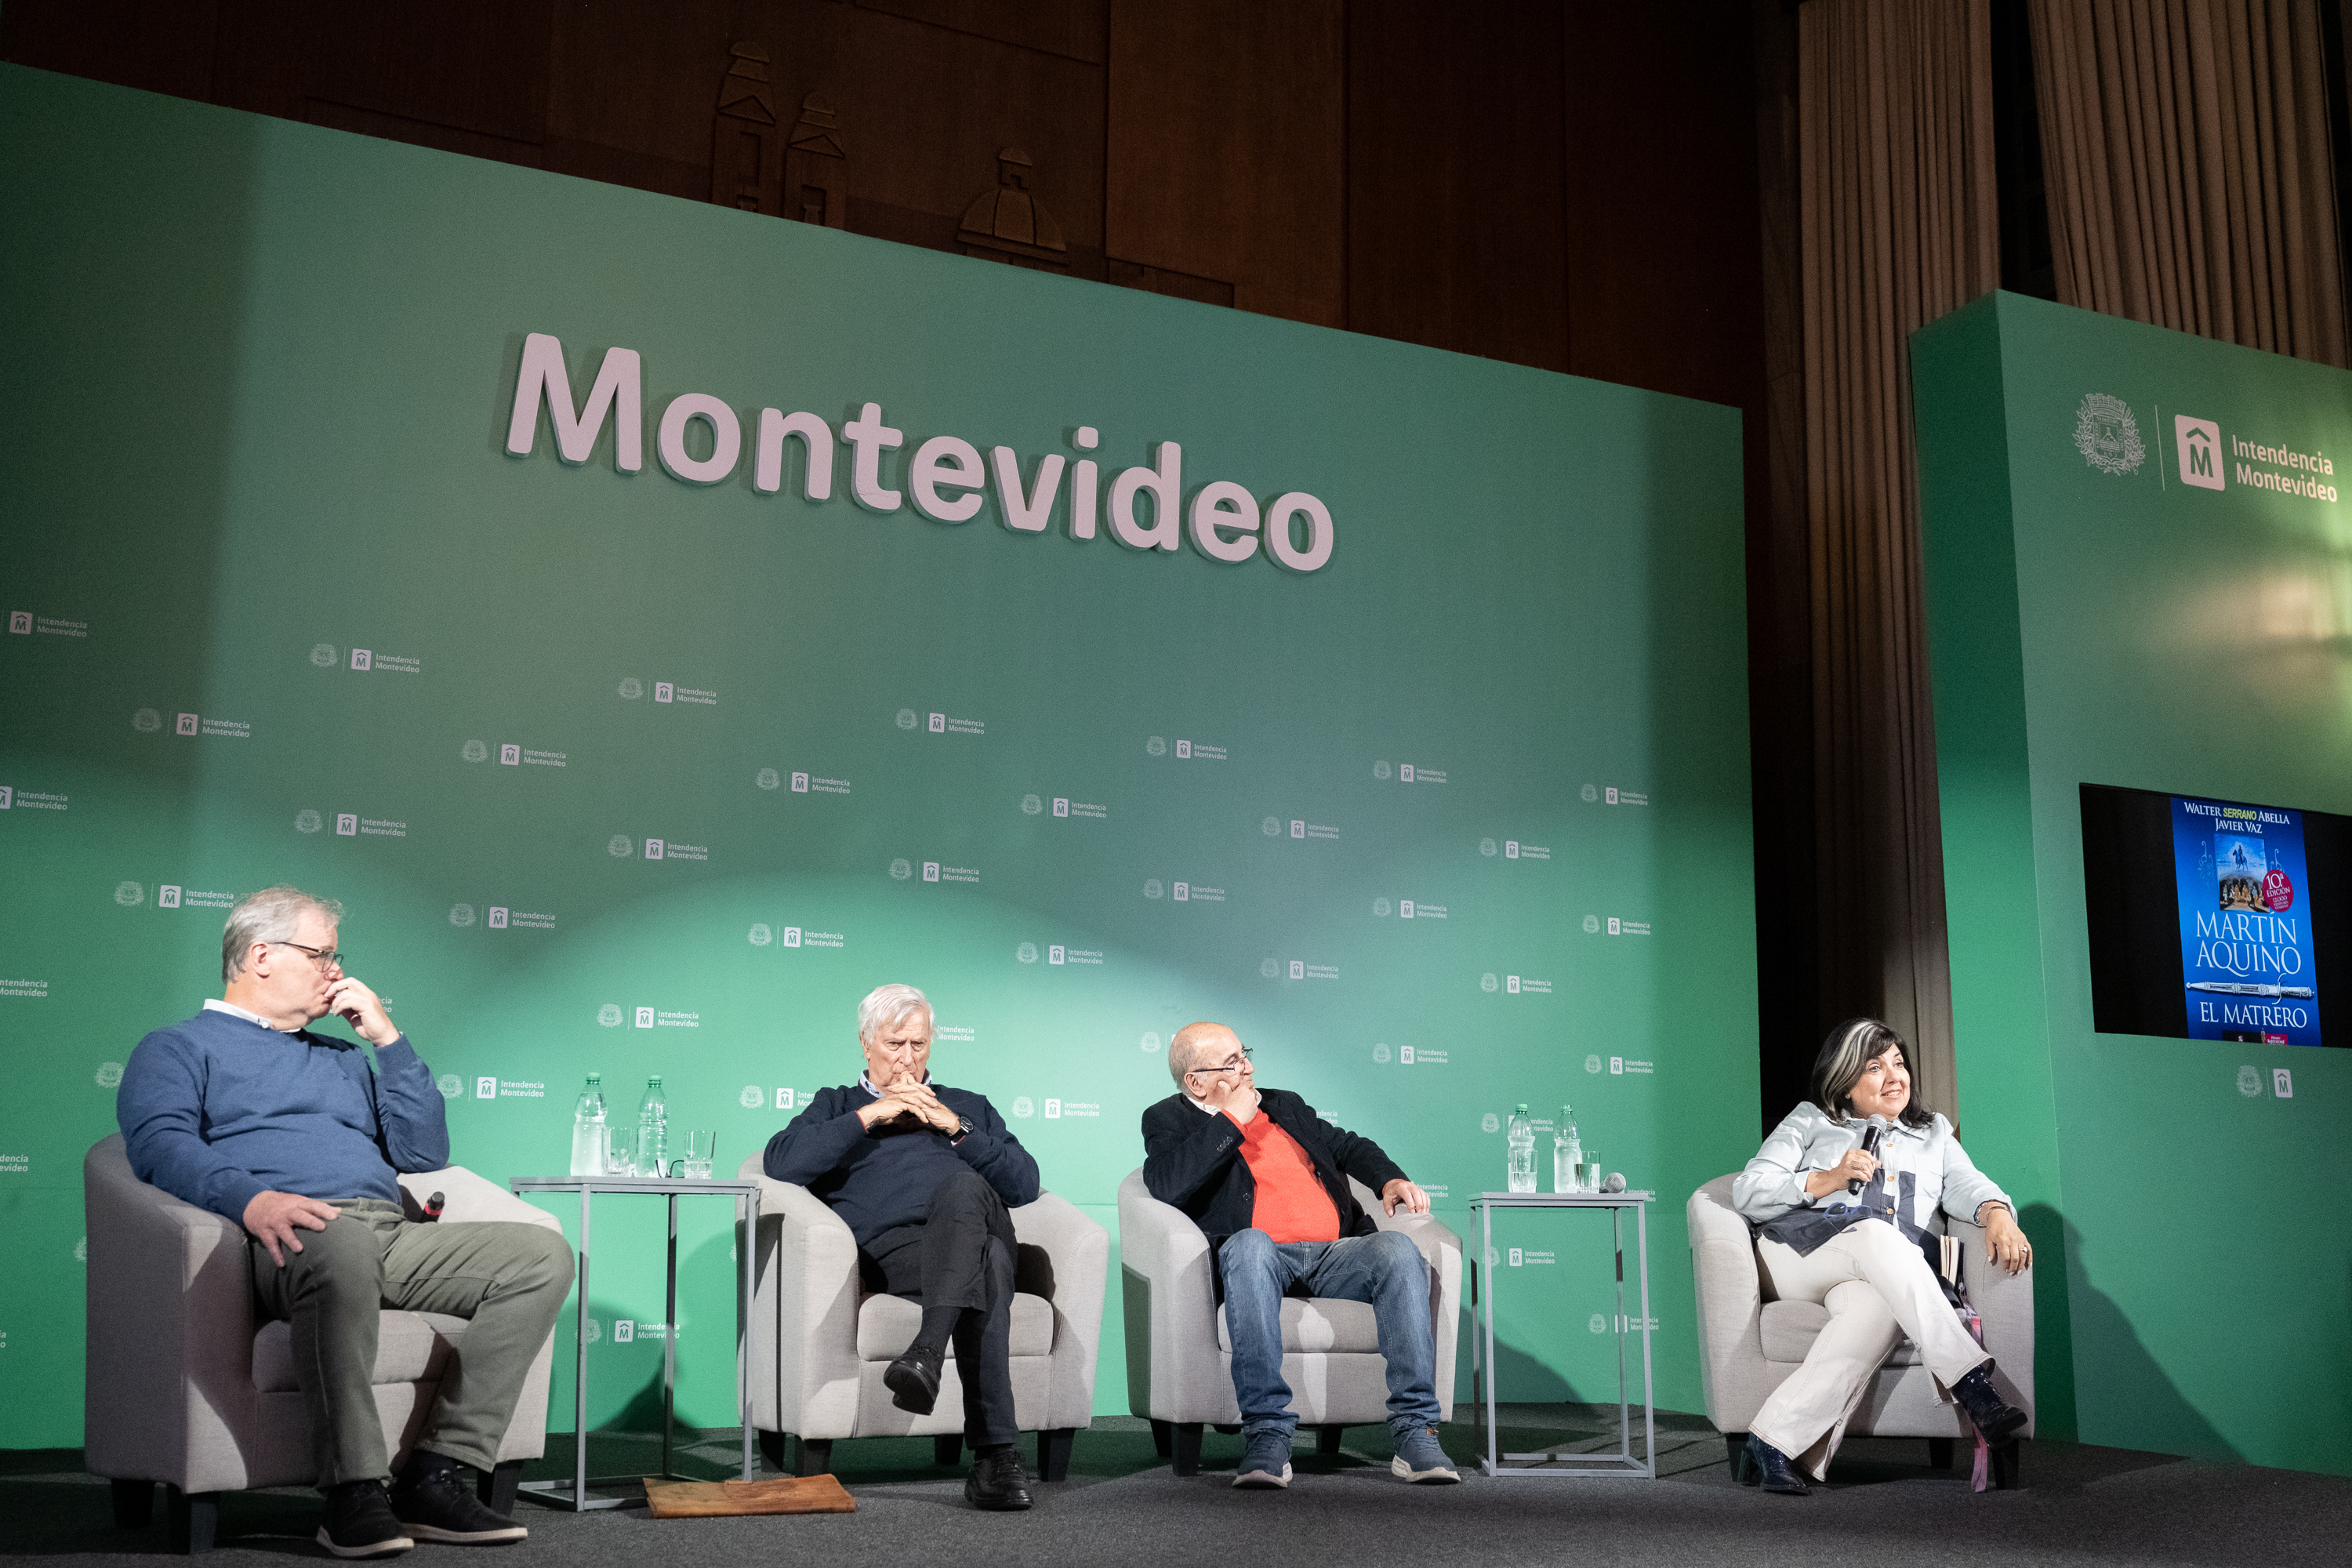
1266, 1181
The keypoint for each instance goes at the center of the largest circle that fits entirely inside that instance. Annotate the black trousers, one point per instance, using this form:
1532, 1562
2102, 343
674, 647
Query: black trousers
960, 1255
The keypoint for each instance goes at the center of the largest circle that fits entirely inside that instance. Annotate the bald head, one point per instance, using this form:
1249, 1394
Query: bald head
1197, 1043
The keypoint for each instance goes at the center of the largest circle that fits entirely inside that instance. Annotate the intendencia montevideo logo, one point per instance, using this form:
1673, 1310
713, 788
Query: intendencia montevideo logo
945, 476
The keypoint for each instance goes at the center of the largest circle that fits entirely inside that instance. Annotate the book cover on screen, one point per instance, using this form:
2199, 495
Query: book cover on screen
2246, 943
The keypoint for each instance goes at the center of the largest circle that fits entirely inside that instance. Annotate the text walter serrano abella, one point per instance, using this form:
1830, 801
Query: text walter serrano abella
2308, 472
945, 476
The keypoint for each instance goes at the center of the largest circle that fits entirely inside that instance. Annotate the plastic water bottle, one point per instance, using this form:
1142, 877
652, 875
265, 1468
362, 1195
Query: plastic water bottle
588, 1128
653, 1130
1523, 1152
1567, 1152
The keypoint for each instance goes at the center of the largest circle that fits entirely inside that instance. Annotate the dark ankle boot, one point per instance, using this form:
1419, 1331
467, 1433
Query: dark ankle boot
1775, 1471
913, 1379
1996, 1419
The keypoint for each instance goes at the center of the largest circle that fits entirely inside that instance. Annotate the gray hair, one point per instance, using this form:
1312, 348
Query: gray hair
269, 915
885, 1005
1850, 1048
1184, 1048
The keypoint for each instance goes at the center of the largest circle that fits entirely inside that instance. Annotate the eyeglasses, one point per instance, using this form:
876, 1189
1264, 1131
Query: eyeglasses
325, 958
1239, 1064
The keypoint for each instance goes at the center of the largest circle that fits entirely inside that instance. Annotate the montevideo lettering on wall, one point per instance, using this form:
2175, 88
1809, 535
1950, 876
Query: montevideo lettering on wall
945, 476
2246, 942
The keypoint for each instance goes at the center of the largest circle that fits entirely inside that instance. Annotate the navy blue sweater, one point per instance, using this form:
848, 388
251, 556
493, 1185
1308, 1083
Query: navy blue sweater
218, 1108
884, 1178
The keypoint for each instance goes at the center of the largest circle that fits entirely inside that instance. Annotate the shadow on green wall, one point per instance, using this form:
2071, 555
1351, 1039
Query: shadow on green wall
2151, 1402
2055, 1414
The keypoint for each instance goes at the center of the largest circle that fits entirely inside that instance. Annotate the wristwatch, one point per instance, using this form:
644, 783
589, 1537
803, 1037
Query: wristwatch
962, 1132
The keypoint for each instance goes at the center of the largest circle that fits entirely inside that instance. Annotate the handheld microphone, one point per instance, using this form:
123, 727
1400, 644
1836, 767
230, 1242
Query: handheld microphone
1872, 1131
433, 1206
1615, 1183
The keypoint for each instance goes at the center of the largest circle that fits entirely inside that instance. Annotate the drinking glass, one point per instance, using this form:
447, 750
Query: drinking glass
699, 1147
1588, 1176
620, 1158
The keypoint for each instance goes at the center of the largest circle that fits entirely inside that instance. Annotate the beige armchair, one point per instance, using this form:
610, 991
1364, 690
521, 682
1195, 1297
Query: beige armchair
184, 1388
1748, 1345
1180, 1357
819, 1343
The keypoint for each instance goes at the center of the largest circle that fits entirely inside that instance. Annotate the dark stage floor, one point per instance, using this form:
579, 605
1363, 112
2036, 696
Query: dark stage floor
2077, 1505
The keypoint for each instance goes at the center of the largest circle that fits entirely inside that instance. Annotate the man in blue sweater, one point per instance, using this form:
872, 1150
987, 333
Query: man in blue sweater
923, 1175
243, 1110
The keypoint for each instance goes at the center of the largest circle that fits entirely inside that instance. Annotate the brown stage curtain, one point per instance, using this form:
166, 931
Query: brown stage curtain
2185, 145
1895, 137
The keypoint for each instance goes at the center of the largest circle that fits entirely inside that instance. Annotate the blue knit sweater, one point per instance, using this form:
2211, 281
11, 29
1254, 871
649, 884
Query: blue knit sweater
218, 1108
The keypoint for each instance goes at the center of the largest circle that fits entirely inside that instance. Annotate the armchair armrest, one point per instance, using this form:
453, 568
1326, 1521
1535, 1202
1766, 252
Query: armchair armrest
1169, 1309
1732, 1370
2004, 1304
470, 1198
1079, 1252
803, 1335
169, 1325
1442, 1250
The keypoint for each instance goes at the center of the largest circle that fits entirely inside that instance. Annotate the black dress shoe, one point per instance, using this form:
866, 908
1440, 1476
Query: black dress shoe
436, 1505
997, 1482
1775, 1472
913, 1379
360, 1522
1995, 1417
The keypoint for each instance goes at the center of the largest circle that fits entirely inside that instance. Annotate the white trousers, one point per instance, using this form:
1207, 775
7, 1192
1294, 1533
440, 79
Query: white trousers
1878, 1288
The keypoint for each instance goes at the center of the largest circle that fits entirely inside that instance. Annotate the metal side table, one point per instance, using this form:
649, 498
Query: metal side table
573, 1494
1550, 1462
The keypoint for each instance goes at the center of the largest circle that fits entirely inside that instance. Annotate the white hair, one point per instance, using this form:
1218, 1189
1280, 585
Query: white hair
885, 1005
272, 914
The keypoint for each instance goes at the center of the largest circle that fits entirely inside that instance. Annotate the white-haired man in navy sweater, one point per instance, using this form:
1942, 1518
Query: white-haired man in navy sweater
923, 1175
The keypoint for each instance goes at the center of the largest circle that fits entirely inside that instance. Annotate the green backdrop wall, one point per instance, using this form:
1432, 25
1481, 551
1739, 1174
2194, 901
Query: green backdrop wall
258, 383
2101, 622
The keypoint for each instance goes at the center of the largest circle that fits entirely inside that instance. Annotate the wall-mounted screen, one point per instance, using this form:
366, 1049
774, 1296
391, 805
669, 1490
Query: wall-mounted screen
2216, 919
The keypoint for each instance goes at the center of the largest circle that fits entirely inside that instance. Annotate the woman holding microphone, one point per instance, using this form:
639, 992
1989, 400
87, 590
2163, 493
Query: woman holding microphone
1858, 1252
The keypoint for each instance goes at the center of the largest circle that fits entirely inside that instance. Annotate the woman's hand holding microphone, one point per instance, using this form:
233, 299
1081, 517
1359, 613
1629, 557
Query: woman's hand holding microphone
1859, 1165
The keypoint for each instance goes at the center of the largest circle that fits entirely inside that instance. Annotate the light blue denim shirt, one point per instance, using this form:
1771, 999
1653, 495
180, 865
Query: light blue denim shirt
1810, 1140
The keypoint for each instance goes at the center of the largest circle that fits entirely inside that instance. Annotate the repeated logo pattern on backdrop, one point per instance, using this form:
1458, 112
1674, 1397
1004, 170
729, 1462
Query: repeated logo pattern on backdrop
619, 773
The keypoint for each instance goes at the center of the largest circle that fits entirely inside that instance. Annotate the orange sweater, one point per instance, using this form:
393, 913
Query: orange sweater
1291, 1205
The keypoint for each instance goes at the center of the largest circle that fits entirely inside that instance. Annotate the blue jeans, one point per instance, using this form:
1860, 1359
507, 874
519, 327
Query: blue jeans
1384, 1269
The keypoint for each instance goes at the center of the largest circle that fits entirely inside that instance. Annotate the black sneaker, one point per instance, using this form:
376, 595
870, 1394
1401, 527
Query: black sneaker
437, 1506
913, 1379
360, 1522
997, 1482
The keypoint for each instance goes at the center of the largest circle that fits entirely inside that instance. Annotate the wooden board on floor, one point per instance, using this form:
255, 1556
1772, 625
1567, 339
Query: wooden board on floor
773, 1494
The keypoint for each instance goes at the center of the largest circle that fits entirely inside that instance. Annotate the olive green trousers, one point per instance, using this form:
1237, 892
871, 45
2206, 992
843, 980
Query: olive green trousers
510, 1278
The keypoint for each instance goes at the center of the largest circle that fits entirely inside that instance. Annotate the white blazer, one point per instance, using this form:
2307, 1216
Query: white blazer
1808, 1139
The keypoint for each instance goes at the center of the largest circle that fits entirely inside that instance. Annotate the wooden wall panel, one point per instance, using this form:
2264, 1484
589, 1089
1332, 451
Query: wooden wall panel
1073, 28
1456, 178
925, 109
468, 65
134, 43
1227, 152
640, 83
1664, 284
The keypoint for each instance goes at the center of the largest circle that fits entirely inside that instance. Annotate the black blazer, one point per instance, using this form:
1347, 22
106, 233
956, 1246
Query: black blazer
1193, 1160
